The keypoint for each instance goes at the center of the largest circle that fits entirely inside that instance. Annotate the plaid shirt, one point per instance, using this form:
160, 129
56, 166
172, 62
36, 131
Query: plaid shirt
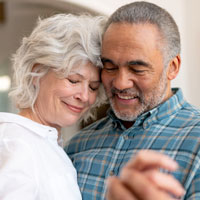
102, 148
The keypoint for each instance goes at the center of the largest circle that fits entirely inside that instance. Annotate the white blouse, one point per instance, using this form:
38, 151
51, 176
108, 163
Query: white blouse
32, 164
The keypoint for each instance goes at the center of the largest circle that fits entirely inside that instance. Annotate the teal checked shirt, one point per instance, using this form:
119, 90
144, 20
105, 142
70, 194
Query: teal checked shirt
103, 148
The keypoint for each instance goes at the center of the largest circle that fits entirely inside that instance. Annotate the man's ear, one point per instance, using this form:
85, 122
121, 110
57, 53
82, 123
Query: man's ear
173, 67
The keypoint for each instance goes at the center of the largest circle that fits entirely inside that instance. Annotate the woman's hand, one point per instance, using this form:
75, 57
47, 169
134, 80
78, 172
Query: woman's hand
141, 179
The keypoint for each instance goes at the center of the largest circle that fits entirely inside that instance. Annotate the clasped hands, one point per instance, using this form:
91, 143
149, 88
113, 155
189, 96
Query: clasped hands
141, 179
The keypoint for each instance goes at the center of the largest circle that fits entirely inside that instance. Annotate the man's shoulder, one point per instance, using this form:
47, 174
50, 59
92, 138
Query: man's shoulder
187, 119
181, 107
189, 111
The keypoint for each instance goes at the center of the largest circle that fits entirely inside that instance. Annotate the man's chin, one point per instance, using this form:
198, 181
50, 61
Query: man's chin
125, 116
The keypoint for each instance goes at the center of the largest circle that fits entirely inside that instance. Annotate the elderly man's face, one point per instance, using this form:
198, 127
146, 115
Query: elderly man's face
133, 75
62, 101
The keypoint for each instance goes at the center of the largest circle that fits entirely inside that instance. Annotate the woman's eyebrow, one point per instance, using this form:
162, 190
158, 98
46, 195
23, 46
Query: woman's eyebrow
83, 77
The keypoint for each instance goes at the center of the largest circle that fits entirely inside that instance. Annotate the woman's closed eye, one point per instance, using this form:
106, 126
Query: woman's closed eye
95, 86
73, 81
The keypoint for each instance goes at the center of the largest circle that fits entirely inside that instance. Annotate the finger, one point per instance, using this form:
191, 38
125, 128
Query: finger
147, 159
165, 182
117, 191
142, 187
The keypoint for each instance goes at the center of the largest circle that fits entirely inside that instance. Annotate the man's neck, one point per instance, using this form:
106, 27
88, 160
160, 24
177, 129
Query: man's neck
127, 124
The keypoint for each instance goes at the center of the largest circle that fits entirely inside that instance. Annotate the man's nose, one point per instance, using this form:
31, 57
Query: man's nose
122, 80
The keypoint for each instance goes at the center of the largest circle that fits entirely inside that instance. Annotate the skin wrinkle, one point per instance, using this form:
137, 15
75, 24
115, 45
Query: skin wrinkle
154, 100
134, 67
62, 101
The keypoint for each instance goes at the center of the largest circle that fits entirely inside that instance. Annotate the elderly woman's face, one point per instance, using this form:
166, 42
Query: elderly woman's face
61, 102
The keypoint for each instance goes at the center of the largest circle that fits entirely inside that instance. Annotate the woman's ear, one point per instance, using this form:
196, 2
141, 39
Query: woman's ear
35, 68
174, 67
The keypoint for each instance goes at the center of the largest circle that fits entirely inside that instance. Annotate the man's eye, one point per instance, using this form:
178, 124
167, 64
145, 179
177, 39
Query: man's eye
110, 69
138, 71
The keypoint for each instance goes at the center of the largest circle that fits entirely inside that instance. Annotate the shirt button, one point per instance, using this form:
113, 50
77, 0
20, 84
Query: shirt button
126, 137
111, 173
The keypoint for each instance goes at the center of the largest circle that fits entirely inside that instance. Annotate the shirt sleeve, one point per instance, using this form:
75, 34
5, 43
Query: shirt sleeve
193, 192
17, 175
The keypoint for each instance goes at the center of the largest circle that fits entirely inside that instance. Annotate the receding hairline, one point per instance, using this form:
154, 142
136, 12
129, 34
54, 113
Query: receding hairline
160, 38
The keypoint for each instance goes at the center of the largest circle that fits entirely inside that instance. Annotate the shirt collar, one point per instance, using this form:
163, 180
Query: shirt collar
39, 129
163, 111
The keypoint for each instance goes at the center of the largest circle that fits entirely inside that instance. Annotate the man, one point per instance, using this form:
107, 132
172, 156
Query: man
140, 56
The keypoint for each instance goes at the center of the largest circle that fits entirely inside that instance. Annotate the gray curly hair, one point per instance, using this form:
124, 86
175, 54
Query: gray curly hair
145, 12
57, 43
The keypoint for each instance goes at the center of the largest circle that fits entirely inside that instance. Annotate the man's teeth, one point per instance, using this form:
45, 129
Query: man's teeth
126, 97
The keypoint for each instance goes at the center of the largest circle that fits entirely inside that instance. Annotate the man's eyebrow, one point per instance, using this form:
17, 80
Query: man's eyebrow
138, 62
106, 60
129, 63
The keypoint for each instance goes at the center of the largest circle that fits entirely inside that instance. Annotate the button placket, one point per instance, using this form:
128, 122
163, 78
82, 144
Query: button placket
116, 151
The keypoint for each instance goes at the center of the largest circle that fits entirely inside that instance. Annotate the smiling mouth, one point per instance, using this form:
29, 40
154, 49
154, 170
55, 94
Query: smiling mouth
126, 97
74, 108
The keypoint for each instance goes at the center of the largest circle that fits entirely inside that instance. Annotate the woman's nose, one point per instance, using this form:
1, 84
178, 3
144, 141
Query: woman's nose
83, 93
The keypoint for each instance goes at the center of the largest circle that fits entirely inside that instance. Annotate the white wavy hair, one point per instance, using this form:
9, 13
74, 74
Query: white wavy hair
58, 43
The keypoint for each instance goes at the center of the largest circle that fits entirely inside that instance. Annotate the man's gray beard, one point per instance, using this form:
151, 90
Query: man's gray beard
157, 97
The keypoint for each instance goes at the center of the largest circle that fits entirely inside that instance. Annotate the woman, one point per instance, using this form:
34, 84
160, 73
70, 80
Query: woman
57, 83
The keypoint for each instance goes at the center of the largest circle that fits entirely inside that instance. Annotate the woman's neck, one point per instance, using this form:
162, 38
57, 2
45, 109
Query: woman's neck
35, 116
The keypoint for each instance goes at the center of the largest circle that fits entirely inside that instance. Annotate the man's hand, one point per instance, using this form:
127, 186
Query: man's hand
140, 179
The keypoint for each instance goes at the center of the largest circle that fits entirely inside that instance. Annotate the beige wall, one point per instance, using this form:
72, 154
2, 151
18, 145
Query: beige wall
20, 19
